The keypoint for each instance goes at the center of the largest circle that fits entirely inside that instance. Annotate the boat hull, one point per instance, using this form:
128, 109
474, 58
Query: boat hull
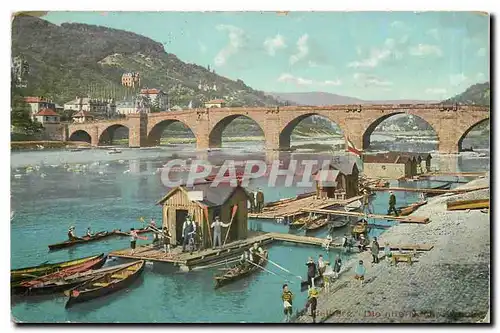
100, 292
47, 289
28, 273
224, 280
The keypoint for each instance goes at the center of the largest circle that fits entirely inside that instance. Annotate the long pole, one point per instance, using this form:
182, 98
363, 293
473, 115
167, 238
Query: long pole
284, 269
268, 271
205, 211
235, 208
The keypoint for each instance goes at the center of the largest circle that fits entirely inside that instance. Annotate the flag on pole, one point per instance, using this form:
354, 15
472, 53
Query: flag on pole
351, 148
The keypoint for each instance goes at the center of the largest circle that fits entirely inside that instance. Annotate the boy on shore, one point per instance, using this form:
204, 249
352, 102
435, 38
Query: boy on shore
287, 297
360, 272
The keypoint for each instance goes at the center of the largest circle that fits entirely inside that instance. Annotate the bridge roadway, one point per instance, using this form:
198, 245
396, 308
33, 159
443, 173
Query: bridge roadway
451, 123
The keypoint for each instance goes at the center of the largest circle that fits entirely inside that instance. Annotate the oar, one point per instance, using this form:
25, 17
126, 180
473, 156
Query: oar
284, 269
268, 271
235, 208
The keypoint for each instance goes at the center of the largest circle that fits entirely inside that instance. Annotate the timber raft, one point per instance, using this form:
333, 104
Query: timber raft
429, 190
186, 260
294, 207
401, 219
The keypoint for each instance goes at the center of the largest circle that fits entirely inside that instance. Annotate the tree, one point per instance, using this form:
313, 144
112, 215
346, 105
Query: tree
20, 112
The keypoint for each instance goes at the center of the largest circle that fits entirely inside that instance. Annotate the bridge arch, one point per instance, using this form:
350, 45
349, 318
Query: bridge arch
366, 138
80, 135
215, 135
107, 135
467, 131
155, 133
285, 134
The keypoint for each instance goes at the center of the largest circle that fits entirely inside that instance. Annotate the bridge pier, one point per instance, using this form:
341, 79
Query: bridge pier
138, 130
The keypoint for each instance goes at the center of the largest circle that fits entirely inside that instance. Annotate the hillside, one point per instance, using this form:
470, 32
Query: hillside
323, 98
78, 59
477, 94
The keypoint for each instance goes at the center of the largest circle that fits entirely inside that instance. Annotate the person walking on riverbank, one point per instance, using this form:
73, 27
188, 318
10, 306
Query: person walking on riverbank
251, 198
367, 209
375, 248
388, 253
312, 302
337, 266
359, 272
217, 226
311, 271
260, 201
392, 204
321, 265
287, 298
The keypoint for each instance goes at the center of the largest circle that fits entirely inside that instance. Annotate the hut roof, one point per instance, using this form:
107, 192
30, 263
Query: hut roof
391, 157
344, 165
212, 196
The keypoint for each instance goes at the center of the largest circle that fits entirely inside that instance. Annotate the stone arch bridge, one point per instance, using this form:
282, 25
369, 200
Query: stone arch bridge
451, 123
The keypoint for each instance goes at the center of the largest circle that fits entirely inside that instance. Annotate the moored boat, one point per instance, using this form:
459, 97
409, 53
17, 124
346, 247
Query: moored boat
28, 273
27, 287
359, 228
303, 222
105, 284
84, 239
317, 224
239, 271
445, 186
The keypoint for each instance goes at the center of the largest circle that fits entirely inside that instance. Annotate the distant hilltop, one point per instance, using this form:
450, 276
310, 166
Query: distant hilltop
79, 59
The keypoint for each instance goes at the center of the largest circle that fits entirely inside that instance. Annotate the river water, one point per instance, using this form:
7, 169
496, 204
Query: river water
105, 192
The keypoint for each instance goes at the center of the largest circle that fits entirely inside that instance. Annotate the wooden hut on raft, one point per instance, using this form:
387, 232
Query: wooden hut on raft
340, 180
204, 202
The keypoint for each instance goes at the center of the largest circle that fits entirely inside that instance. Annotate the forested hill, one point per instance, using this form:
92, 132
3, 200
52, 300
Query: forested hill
78, 59
477, 94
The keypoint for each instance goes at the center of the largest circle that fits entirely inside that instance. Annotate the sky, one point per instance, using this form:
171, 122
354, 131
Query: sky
369, 55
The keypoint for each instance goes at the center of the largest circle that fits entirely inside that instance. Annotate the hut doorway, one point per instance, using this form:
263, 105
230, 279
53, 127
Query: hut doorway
180, 217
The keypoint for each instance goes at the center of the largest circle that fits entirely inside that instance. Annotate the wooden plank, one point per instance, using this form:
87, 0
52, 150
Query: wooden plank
428, 190
465, 174
402, 219
468, 204
294, 207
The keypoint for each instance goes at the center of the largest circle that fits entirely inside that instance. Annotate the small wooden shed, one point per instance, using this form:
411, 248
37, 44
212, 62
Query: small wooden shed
390, 166
202, 201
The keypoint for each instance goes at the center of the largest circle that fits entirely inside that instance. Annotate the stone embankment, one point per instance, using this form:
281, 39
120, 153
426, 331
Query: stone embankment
449, 284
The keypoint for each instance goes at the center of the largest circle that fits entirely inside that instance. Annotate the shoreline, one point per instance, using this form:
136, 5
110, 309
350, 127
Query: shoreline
448, 284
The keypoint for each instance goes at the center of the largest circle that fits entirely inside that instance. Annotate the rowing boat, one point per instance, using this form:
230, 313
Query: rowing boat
84, 239
317, 224
239, 271
360, 227
105, 284
28, 273
28, 287
303, 221
98, 236
411, 208
60, 285
445, 186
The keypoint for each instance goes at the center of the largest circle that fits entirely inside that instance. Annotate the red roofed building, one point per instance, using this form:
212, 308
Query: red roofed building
215, 103
156, 97
82, 117
47, 116
38, 103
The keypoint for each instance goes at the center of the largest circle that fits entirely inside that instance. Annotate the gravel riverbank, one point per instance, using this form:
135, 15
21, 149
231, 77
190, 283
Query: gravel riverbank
448, 284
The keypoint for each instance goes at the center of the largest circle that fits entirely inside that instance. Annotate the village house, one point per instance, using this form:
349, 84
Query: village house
47, 116
128, 107
391, 165
82, 117
97, 107
215, 103
131, 79
38, 103
339, 181
157, 98
204, 202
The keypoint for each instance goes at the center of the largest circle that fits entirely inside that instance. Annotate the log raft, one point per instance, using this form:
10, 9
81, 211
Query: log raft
401, 219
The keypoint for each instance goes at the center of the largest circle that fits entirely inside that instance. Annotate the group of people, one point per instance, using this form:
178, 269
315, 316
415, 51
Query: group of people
256, 201
72, 236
